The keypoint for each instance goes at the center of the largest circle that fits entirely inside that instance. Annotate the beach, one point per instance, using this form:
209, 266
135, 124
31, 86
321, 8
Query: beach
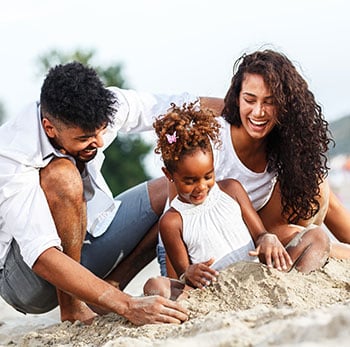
250, 305
14, 324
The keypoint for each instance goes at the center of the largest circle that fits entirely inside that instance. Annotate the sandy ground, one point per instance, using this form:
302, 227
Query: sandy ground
250, 305
14, 324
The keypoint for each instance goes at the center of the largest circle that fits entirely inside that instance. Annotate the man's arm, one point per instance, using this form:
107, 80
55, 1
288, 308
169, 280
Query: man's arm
138, 110
216, 105
71, 277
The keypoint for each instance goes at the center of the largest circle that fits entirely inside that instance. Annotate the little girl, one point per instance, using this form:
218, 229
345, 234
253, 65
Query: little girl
209, 225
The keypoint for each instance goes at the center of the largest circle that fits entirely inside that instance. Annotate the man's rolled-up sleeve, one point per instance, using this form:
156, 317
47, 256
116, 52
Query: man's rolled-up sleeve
25, 215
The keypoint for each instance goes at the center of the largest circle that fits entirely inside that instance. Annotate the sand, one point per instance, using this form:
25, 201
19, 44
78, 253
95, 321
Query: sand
250, 305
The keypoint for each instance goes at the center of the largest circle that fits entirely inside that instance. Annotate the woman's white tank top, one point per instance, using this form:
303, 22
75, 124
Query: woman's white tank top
259, 186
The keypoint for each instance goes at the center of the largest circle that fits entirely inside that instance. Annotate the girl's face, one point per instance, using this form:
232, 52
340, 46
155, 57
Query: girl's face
257, 110
194, 176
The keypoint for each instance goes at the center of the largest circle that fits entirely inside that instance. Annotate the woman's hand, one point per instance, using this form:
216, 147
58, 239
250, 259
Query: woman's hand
271, 252
201, 274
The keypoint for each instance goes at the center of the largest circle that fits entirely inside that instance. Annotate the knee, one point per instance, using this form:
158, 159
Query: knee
150, 287
313, 252
318, 238
156, 286
158, 194
61, 180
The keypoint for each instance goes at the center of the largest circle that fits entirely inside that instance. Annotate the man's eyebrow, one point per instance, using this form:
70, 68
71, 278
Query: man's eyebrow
86, 136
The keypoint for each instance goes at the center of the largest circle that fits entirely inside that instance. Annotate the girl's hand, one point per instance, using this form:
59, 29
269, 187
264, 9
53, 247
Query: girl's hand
201, 275
271, 252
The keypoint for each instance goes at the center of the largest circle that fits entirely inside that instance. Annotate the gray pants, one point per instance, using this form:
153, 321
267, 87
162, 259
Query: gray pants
21, 288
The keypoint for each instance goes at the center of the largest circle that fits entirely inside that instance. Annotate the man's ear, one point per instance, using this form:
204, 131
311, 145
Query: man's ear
48, 127
167, 174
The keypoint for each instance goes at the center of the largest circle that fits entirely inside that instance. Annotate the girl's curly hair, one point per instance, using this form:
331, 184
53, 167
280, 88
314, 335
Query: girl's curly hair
75, 95
182, 131
297, 146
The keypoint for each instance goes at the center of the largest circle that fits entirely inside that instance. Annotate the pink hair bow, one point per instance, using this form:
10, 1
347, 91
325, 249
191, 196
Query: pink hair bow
171, 138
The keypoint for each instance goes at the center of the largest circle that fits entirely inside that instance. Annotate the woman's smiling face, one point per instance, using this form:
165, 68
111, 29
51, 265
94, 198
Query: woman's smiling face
257, 110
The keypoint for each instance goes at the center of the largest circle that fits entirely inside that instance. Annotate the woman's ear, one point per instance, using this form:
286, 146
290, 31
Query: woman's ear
167, 174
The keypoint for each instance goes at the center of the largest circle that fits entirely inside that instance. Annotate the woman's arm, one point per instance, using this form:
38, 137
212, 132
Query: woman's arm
215, 105
338, 219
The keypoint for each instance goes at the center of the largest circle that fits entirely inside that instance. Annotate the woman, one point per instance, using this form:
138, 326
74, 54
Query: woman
275, 141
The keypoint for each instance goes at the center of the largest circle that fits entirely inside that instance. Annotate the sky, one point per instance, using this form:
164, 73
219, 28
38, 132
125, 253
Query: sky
181, 45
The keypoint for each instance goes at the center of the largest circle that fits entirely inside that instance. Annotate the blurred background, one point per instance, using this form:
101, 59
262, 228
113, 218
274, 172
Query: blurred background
174, 46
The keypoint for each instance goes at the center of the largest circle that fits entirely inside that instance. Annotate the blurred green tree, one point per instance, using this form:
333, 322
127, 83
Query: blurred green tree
123, 166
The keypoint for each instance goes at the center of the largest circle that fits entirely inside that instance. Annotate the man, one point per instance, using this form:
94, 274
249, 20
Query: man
52, 192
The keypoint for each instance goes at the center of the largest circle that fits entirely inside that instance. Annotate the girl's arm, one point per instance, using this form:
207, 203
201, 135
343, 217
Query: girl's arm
170, 228
269, 249
196, 275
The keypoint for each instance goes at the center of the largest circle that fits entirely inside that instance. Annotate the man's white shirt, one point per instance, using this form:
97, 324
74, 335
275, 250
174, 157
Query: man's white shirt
25, 149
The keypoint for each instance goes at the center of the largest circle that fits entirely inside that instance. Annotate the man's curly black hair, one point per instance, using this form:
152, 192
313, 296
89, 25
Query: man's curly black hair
297, 145
75, 95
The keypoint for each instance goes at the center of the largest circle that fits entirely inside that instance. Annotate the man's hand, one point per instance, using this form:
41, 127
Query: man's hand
67, 274
155, 309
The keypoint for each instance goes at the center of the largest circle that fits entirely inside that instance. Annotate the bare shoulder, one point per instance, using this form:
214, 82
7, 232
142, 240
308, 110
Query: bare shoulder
230, 186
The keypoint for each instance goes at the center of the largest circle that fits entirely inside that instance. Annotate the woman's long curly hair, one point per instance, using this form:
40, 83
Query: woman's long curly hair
184, 130
297, 146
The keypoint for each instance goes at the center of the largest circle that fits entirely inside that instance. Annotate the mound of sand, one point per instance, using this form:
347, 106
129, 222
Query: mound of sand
250, 305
